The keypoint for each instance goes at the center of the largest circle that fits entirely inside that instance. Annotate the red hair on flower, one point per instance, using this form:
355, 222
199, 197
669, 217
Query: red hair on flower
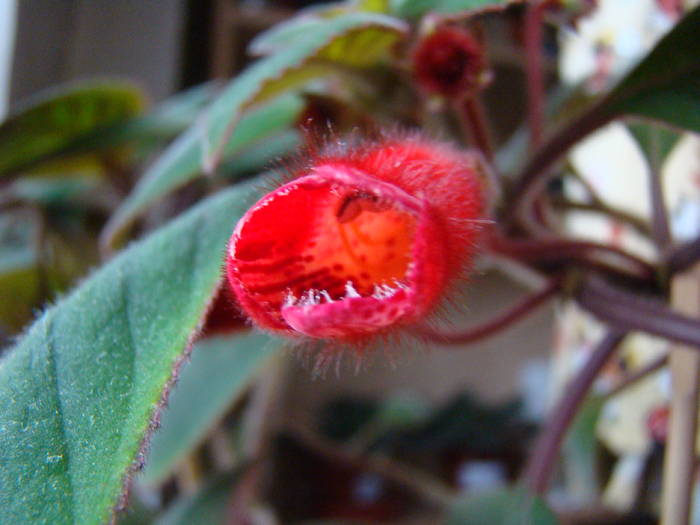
360, 242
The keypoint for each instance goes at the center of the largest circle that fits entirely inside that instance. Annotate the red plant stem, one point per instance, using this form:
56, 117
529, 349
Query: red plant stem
563, 250
473, 120
628, 311
637, 375
533, 66
498, 323
534, 176
542, 462
684, 256
631, 220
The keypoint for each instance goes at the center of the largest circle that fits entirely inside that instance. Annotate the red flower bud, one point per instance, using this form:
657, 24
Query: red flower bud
360, 242
449, 62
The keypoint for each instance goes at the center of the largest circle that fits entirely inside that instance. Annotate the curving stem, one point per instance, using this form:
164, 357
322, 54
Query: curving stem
470, 110
498, 323
533, 66
543, 460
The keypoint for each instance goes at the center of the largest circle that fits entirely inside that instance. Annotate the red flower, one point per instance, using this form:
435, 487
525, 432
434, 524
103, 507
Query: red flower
361, 242
449, 62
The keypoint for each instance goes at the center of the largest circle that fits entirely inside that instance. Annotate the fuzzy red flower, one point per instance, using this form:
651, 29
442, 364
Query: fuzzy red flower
449, 62
361, 242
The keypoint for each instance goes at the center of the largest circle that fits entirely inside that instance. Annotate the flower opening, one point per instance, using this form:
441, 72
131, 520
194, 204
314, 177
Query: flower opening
358, 244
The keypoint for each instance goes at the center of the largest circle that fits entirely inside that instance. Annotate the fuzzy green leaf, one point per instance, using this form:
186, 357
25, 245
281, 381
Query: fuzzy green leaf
79, 390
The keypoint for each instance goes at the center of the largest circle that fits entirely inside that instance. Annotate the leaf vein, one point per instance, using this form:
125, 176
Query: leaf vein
65, 449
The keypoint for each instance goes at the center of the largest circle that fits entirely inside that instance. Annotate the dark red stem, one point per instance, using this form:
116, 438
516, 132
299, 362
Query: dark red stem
473, 120
534, 176
533, 66
543, 460
628, 311
684, 256
631, 379
509, 316
563, 250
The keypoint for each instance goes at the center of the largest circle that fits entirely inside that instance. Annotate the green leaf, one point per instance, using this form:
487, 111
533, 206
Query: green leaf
362, 37
206, 507
137, 513
666, 84
580, 452
417, 8
47, 124
352, 39
78, 392
655, 141
510, 506
372, 6
53, 191
166, 120
285, 33
220, 370
19, 273
182, 162
295, 29
401, 410
261, 155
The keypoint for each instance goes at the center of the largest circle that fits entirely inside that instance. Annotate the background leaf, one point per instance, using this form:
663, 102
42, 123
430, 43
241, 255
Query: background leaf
182, 162
220, 369
296, 29
580, 452
206, 507
19, 272
262, 154
163, 122
511, 506
666, 84
655, 141
417, 8
55, 119
343, 39
78, 391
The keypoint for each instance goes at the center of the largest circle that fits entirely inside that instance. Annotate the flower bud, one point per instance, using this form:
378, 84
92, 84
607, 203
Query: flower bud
450, 62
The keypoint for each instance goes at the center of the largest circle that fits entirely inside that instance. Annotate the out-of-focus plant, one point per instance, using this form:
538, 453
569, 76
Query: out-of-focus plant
89, 176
